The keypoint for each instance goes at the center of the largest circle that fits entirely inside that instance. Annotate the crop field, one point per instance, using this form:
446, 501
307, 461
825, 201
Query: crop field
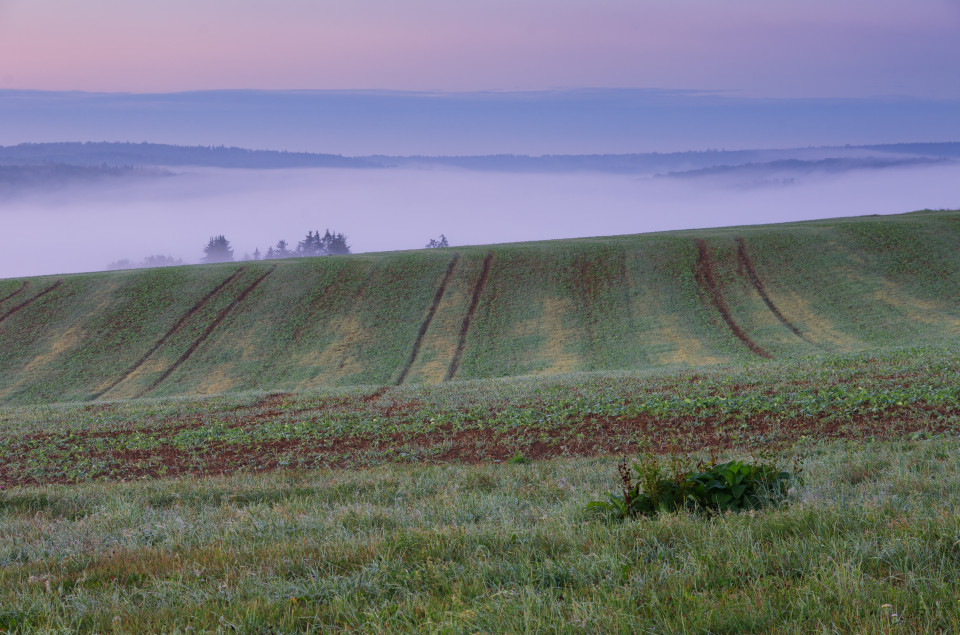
407, 442
775, 404
670, 300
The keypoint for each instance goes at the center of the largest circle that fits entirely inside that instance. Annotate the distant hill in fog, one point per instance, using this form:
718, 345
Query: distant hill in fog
946, 150
652, 163
796, 166
47, 176
157, 154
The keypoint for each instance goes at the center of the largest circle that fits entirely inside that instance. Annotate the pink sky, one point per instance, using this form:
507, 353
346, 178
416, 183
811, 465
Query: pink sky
777, 48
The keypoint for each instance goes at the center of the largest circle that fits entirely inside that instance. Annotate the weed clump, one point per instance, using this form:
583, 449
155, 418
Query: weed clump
734, 486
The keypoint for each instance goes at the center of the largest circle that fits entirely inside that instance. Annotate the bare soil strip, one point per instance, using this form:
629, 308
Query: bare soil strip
465, 327
762, 291
207, 331
26, 283
27, 303
704, 275
417, 343
173, 330
596, 436
376, 394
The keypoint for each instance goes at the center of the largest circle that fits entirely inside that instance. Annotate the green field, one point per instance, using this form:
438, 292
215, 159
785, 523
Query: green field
629, 302
406, 442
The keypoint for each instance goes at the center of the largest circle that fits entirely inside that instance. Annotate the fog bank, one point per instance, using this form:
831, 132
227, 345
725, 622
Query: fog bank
85, 228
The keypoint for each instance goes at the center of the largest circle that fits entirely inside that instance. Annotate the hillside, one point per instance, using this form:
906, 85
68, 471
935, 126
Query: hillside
656, 300
159, 154
826, 158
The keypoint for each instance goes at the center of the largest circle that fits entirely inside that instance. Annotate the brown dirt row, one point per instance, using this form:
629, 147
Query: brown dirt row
376, 394
279, 404
173, 330
704, 275
598, 437
418, 342
26, 283
30, 301
207, 331
471, 310
755, 279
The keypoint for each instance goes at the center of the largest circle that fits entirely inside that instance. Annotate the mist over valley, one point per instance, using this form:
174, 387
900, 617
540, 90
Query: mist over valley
131, 201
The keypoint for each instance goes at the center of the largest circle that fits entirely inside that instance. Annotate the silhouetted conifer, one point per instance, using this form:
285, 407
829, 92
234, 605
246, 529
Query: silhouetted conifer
218, 250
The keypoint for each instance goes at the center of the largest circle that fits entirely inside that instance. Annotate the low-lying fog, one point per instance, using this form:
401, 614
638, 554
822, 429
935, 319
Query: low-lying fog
84, 228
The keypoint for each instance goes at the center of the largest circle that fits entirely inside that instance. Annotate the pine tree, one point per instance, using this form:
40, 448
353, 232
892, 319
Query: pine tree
335, 244
282, 251
311, 245
218, 250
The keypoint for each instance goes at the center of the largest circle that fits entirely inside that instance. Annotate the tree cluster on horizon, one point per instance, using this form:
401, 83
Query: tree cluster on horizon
437, 243
218, 248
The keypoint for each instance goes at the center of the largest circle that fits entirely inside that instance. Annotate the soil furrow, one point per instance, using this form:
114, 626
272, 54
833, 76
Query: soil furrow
376, 394
207, 331
465, 327
601, 436
417, 343
30, 301
173, 330
26, 283
704, 274
762, 291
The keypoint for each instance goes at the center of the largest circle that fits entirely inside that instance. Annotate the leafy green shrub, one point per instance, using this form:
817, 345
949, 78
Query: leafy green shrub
518, 459
720, 487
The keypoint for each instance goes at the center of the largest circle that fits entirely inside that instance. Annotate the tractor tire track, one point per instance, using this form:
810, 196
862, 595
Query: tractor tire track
30, 301
465, 327
207, 331
704, 276
417, 343
762, 291
26, 283
173, 331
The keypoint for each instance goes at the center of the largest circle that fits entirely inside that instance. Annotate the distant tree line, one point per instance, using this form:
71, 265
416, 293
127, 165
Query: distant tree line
149, 261
330, 243
218, 249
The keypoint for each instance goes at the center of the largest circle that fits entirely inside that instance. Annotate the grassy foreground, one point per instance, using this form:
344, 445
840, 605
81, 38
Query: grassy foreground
871, 544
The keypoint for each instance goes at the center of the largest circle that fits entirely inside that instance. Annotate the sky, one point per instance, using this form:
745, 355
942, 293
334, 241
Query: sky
753, 48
